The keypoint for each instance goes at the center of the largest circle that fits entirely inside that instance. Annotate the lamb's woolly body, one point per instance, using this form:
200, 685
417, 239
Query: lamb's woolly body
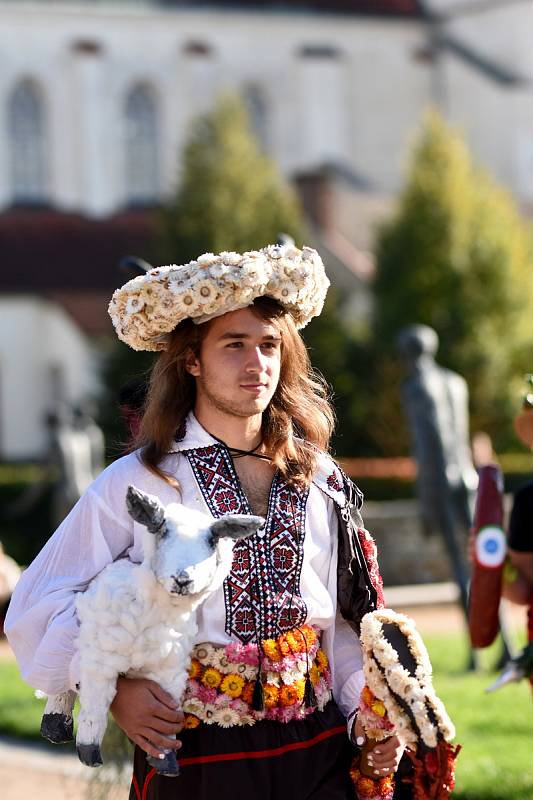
139, 620
129, 625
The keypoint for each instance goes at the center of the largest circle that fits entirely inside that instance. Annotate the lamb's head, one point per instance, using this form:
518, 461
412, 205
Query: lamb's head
191, 551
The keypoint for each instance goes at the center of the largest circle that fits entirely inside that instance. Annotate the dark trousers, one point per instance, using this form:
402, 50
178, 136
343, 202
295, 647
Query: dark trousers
300, 760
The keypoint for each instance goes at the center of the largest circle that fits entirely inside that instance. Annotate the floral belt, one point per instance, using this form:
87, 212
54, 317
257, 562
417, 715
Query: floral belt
222, 680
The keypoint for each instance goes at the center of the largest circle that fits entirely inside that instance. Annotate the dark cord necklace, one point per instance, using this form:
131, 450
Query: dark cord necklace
236, 452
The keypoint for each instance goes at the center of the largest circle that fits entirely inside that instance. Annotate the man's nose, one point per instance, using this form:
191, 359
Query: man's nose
255, 360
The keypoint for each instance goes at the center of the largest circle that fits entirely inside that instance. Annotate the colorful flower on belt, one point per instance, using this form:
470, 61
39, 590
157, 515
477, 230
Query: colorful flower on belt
321, 660
224, 677
248, 693
211, 678
288, 695
232, 685
300, 688
226, 717
271, 649
301, 639
284, 645
271, 695
314, 674
195, 670
382, 789
190, 721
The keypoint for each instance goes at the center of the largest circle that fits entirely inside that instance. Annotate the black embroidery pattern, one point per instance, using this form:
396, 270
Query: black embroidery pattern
262, 591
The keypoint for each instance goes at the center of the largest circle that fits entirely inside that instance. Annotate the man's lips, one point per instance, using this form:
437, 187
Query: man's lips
253, 387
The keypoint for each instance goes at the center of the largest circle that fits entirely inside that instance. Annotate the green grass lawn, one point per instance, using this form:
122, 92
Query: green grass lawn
20, 711
495, 730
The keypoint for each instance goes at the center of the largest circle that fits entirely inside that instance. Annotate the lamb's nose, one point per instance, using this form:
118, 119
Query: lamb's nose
182, 578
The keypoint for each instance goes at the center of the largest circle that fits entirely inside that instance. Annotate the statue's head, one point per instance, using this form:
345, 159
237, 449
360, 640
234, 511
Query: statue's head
416, 341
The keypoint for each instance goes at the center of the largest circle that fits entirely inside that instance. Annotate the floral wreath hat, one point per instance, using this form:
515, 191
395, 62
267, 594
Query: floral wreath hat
399, 699
147, 308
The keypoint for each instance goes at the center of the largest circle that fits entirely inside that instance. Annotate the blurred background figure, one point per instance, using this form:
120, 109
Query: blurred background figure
76, 455
436, 404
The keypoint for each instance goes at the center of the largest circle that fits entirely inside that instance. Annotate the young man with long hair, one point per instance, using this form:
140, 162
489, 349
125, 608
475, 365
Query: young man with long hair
235, 421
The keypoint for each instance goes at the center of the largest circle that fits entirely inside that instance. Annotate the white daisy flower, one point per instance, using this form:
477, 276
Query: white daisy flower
134, 305
290, 676
226, 717
220, 661
206, 259
205, 292
193, 706
209, 713
218, 269
231, 258
201, 653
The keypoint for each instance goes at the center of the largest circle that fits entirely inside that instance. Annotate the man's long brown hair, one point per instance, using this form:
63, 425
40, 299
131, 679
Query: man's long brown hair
298, 420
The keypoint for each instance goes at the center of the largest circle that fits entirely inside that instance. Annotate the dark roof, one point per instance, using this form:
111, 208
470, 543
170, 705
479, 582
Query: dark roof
45, 251
87, 308
398, 8
72, 260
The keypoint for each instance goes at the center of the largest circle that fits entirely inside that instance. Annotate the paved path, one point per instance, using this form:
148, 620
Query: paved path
41, 771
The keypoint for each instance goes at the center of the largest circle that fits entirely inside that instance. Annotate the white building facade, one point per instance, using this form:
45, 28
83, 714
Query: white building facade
96, 99
44, 359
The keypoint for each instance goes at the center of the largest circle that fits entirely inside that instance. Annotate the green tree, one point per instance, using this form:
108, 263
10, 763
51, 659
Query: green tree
457, 256
230, 195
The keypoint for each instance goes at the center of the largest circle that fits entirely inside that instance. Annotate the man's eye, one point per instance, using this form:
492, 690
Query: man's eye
234, 345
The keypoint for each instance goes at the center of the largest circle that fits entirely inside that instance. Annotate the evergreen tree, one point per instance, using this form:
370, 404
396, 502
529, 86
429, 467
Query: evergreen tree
456, 256
231, 196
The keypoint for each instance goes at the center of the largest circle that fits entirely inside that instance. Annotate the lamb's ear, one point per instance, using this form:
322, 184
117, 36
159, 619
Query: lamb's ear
145, 509
235, 526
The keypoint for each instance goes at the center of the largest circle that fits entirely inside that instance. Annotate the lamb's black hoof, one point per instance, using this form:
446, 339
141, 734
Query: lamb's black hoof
90, 755
165, 766
57, 728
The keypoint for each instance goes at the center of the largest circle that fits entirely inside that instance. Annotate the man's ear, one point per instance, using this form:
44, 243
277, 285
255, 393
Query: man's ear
192, 364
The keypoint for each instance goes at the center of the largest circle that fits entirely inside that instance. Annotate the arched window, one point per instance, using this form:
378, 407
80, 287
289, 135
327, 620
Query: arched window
256, 104
27, 144
141, 143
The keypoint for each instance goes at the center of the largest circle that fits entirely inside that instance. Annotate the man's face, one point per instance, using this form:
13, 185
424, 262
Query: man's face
238, 369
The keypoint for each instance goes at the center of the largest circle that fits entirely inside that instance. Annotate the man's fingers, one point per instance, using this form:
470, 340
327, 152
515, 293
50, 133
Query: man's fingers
145, 745
161, 742
161, 695
163, 727
157, 709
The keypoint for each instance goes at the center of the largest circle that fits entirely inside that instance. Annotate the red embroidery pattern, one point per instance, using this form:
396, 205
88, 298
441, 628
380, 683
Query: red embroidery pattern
333, 482
262, 591
371, 557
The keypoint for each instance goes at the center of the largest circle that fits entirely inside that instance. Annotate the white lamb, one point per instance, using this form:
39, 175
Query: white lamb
139, 620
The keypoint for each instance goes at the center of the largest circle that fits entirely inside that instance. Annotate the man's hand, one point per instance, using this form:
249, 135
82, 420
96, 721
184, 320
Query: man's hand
148, 715
384, 757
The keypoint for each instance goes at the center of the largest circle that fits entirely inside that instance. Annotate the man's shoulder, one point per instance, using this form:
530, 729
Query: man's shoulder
129, 470
330, 478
